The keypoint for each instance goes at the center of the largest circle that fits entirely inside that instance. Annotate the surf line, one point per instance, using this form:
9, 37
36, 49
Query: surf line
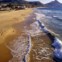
26, 59
56, 43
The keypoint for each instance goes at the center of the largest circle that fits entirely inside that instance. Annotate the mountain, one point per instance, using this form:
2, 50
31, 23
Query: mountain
54, 4
35, 3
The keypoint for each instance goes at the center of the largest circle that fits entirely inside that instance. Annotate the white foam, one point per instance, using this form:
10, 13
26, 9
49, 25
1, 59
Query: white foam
35, 29
52, 32
19, 48
59, 41
39, 16
30, 46
44, 52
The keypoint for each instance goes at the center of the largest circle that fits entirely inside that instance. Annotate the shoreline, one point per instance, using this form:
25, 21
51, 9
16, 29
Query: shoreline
29, 48
41, 49
39, 39
56, 43
41, 44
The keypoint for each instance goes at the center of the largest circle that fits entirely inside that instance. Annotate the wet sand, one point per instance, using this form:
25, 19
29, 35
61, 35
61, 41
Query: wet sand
41, 49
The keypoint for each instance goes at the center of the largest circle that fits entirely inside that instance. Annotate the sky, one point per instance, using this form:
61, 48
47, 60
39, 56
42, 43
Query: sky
45, 1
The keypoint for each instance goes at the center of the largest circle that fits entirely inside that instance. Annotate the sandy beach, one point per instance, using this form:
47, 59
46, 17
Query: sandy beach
15, 25
10, 30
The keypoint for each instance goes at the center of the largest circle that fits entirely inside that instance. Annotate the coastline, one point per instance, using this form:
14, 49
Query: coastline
39, 47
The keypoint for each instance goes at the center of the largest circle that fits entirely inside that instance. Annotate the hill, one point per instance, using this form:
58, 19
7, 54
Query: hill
54, 4
34, 4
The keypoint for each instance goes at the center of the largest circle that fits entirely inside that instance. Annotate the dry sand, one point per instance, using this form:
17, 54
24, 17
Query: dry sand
9, 31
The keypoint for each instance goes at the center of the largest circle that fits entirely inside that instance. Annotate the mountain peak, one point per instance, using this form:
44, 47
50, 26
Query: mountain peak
54, 4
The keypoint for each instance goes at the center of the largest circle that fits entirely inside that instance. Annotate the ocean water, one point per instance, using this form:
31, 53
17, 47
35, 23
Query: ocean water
52, 20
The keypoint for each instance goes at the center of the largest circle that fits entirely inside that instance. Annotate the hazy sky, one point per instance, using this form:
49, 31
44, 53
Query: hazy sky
45, 1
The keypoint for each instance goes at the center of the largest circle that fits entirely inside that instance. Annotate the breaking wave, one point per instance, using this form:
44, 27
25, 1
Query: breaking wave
56, 43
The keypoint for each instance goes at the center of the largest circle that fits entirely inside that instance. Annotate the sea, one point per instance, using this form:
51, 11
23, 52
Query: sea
52, 20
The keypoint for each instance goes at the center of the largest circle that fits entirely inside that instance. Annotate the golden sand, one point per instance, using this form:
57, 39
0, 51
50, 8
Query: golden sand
8, 32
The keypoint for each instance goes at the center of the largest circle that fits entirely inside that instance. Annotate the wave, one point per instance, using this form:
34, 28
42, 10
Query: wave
56, 43
58, 18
